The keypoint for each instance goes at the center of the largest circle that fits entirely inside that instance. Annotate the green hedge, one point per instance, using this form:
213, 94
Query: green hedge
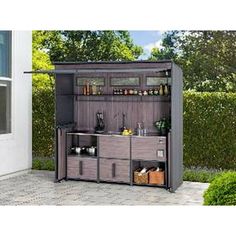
210, 130
43, 122
43, 164
222, 190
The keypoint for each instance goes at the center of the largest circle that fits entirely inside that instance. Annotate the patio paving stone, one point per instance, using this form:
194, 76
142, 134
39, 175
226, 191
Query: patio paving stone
38, 188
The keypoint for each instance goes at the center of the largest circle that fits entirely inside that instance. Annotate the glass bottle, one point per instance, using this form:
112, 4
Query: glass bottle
94, 89
85, 88
139, 129
161, 91
166, 89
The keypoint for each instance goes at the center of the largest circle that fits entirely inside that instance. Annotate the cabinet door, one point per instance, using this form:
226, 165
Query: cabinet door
82, 168
148, 148
114, 170
114, 147
60, 172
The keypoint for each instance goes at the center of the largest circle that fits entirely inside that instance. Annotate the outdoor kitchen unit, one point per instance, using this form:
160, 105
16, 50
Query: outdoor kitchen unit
119, 122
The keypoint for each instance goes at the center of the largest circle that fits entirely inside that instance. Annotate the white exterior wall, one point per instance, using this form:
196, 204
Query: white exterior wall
16, 148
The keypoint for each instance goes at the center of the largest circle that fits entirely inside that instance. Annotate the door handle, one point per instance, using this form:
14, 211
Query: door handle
113, 170
81, 167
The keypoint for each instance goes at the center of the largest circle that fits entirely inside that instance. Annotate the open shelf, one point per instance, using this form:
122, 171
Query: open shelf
123, 98
118, 98
145, 160
151, 185
81, 156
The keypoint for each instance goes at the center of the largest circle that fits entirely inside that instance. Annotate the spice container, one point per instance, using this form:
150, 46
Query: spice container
156, 92
131, 91
145, 93
150, 92
125, 92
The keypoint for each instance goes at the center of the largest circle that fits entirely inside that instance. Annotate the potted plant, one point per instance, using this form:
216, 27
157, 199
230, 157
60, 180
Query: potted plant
163, 126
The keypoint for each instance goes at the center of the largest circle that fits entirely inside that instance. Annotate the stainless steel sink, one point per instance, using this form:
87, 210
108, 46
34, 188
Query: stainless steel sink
114, 133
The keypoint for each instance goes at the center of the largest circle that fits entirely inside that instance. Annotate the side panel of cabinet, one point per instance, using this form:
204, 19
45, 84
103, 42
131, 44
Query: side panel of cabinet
176, 135
60, 155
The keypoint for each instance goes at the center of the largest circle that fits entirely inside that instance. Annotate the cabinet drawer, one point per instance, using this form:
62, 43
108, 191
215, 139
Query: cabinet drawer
73, 161
149, 148
114, 170
114, 147
82, 168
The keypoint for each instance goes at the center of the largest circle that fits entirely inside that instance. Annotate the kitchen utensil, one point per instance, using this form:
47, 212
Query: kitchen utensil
78, 150
100, 123
91, 151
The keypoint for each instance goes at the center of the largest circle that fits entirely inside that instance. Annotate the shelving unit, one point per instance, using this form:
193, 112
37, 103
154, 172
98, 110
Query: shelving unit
122, 98
118, 155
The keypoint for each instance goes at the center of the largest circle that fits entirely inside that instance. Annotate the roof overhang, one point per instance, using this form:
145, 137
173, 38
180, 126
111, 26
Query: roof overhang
81, 70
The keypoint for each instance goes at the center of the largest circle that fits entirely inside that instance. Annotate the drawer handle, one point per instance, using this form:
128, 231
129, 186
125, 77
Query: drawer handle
81, 167
113, 170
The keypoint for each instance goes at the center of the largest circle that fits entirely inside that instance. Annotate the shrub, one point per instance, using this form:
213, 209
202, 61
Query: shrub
209, 130
222, 190
36, 164
43, 164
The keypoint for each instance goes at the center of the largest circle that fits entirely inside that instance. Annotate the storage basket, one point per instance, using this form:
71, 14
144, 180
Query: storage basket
157, 177
141, 178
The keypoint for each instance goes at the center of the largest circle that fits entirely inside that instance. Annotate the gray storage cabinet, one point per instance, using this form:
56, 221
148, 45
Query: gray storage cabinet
117, 156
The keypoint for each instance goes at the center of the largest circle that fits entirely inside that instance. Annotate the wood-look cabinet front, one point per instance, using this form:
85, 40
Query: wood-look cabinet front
114, 147
81, 168
114, 170
148, 148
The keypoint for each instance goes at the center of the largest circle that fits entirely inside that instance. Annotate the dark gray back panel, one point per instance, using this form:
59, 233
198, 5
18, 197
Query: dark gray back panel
64, 103
134, 110
176, 150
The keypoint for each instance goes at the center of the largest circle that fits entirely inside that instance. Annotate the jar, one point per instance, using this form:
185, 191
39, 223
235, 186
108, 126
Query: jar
150, 92
131, 92
145, 93
155, 92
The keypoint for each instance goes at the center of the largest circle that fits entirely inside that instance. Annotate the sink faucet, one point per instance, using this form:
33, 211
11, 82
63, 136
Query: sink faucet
123, 122
115, 115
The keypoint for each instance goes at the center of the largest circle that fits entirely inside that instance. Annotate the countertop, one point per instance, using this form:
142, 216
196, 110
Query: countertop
114, 134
